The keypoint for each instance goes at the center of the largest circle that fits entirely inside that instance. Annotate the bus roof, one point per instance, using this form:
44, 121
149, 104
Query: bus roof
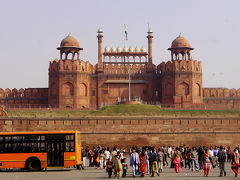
39, 132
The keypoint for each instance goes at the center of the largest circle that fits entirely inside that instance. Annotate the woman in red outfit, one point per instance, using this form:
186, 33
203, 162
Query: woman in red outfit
207, 162
235, 162
143, 162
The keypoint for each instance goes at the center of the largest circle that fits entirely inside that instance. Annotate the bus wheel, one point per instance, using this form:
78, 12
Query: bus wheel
33, 164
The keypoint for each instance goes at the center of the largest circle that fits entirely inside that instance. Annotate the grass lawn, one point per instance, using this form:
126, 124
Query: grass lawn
121, 110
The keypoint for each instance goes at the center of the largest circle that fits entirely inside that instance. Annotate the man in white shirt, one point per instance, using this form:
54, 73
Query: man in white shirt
134, 161
211, 151
169, 151
106, 156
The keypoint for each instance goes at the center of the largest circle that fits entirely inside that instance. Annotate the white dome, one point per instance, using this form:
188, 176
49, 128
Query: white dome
143, 49
100, 30
119, 49
137, 49
113, 49
150, 31
131, 49
125, 49
107, 49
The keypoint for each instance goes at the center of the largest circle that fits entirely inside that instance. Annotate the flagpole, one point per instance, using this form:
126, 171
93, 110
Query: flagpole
129, 86
129, 70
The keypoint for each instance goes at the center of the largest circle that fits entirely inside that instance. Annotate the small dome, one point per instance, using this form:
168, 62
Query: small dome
137, 49
100, 30
107, 49
131, 49
180, 42
143, 49
113, 49
150, 30
69, 41
119, 49
125, 49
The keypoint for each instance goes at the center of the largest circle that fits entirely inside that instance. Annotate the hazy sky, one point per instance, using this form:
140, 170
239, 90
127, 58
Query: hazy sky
32, 30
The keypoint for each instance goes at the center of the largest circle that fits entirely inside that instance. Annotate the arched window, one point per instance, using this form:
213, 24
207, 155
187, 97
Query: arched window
7, 92
67, 89
183, 89
82, 89
197, 90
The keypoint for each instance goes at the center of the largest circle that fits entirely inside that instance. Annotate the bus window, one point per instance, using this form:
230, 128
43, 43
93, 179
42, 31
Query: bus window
1, 144
7, 144
16, 144
69, 137
70, 146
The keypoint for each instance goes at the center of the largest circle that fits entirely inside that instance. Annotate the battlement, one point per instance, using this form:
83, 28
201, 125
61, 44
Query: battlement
23, 93
70, 65
124, 69
221, 92
180, 66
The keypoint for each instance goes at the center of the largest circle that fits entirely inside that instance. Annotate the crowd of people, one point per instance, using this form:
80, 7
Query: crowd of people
151, 161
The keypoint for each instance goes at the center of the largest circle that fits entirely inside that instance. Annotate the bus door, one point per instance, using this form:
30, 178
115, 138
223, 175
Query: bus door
55, 150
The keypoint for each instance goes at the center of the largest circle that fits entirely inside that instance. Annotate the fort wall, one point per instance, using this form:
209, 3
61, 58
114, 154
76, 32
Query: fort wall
34, 97
128, 131
221, 98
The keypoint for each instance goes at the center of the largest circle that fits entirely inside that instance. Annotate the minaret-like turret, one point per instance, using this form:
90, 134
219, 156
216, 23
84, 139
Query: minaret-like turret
100, 64
150, 37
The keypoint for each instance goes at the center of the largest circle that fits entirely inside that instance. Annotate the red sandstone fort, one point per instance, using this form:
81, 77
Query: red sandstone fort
122, 74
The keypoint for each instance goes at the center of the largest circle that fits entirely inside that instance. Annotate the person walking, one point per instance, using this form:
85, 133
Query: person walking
134, 161
118, 165
200, 157
188, 158
215, 158
106, 156
229, 154
221, 161
109, 167
194, 157
177, 158
235, 162
125, 167
101, 159
154, 163
147, 163
165, 152
160, 160
84, 157
207, 162
143, 163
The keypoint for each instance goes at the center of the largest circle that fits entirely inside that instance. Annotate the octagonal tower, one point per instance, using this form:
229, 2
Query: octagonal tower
69, 77
182, 76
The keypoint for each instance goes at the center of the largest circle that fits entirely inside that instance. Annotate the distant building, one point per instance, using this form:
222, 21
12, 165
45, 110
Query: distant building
75, 83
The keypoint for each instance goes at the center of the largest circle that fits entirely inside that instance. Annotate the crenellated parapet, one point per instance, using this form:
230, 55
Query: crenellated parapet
70, 65
221, 93
180, 66
23, 93
124, 69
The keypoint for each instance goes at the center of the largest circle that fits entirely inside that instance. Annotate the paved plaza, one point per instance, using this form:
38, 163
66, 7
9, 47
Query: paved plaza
91, 173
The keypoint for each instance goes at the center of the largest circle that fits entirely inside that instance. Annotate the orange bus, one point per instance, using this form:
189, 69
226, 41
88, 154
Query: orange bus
37, 150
